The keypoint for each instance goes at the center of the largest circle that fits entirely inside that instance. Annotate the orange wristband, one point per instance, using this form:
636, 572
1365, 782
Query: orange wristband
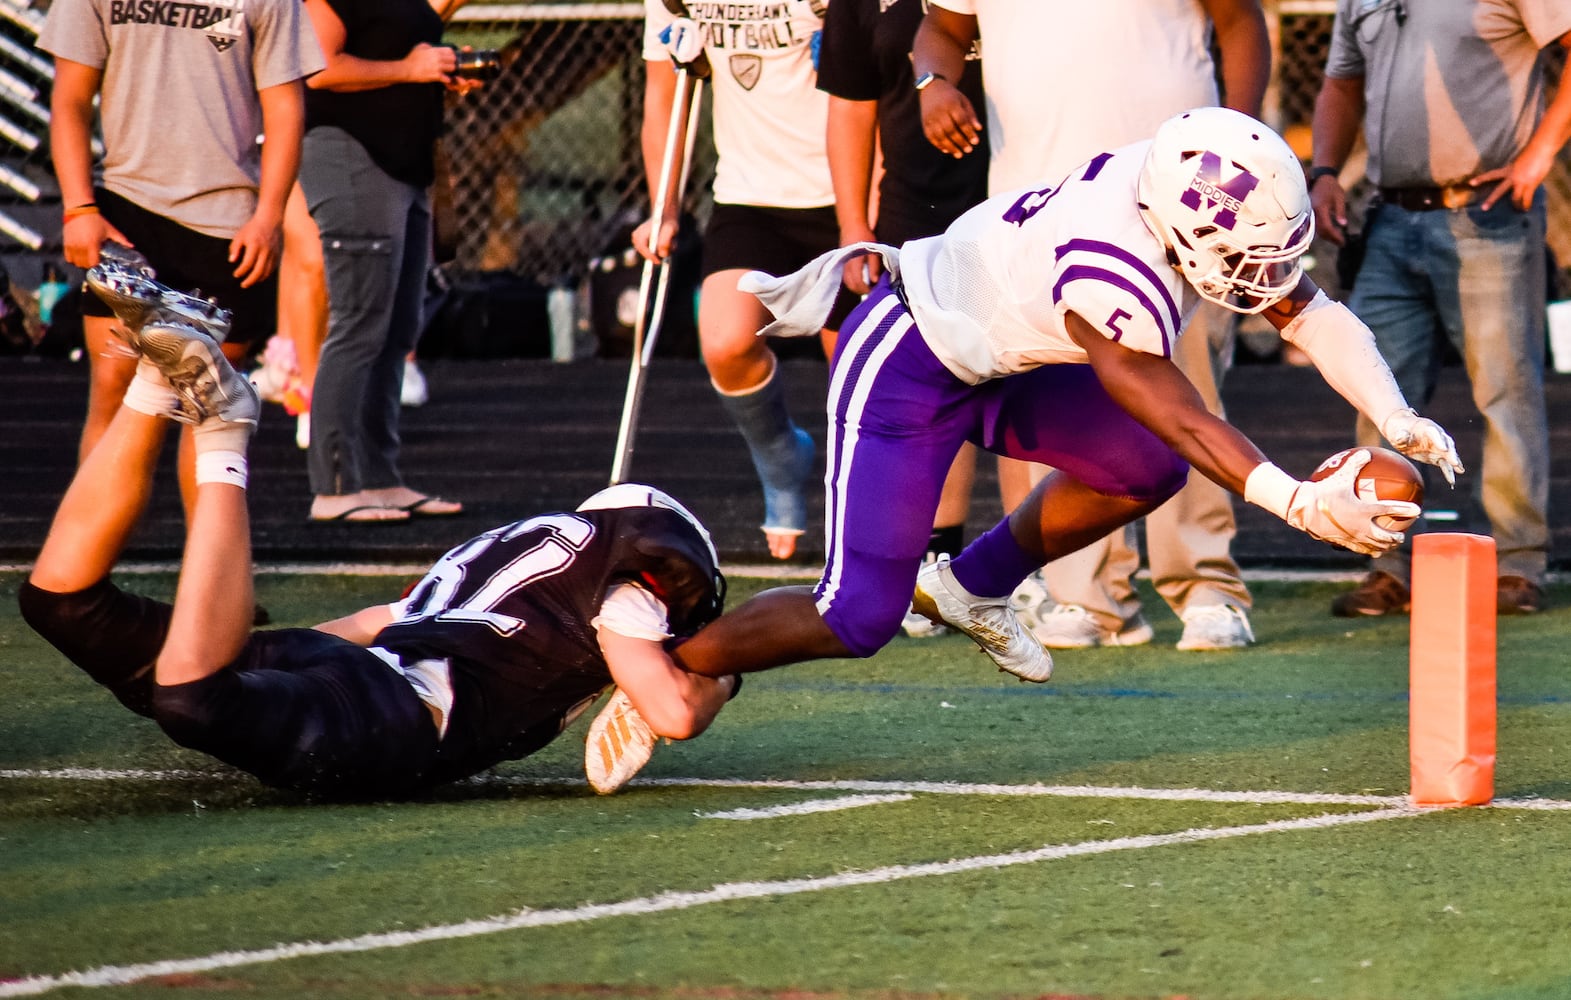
77, 211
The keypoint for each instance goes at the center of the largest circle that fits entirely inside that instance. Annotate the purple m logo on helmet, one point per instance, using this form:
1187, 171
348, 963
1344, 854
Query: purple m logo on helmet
1209, 191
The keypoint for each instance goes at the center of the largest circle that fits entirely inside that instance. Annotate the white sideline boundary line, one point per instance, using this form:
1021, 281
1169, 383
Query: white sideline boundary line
1264, 574
1259, 798
121, 975
809, 806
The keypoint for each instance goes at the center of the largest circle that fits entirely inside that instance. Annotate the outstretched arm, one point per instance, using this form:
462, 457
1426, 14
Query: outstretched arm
1153, 391
1344, 351
677, 704
362, 626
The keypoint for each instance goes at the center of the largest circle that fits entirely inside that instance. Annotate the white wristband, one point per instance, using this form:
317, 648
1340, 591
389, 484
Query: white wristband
1271, 488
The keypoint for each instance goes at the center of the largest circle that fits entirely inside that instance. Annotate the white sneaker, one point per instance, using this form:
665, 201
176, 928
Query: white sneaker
920, 627
1215, 626
415, 392
620, 743
988, 621
1070, 626
1031, 602
270, 383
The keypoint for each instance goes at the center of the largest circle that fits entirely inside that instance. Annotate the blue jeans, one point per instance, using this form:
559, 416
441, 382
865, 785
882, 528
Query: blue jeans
1477, 279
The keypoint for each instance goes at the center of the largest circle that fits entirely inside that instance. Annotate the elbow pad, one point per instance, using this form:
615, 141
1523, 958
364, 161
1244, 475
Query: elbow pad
1344, 351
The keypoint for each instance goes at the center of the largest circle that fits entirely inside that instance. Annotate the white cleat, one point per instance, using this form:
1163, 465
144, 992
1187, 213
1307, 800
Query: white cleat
620, 743
194, 364
138, 299
987, 620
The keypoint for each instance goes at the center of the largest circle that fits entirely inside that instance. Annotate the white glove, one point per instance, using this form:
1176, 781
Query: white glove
683, 41
1331, 511
1424, 440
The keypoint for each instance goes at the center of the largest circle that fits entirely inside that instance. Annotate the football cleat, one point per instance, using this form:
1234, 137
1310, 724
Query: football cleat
194, 364
620, 743
987, 620
137, 299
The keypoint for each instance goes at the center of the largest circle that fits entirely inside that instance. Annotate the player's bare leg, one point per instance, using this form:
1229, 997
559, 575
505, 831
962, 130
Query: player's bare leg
744, 372
101, 507
214, 600
110, 368
772, 629
1062, 515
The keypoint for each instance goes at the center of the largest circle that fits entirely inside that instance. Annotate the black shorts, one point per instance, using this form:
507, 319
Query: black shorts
192, 262
773, 240
298, 708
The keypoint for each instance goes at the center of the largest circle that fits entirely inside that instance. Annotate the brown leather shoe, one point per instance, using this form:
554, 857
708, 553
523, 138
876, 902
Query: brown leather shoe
1517, 595
1380, 593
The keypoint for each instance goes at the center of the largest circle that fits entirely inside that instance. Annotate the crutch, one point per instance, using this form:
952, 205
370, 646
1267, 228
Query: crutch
690, 74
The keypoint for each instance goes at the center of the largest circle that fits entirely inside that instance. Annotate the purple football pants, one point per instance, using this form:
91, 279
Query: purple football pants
897, 417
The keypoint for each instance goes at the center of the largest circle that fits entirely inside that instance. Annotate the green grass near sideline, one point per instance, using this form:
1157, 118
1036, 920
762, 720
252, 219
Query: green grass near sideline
1453, 905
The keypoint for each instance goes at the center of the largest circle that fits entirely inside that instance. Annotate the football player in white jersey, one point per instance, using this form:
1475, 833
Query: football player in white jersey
1041, 326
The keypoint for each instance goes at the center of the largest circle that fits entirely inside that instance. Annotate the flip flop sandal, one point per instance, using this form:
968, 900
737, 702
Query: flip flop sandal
368, 514
433, 507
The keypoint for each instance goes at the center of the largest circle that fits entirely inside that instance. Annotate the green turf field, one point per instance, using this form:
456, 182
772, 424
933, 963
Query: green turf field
1152, 824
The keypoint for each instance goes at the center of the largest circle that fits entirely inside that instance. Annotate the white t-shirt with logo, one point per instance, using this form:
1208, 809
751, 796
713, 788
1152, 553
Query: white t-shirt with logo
1066, 80
770, 118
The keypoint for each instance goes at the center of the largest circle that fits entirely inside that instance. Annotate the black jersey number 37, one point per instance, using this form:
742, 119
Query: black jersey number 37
472, 582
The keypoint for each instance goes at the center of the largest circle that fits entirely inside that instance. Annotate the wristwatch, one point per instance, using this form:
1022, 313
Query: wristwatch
1315, 173
926, 80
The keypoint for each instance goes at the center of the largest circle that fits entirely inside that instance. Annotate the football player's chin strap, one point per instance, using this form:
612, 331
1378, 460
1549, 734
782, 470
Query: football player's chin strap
1344, 351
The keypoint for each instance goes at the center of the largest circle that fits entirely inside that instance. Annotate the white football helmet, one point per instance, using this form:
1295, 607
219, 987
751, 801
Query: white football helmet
1228, 197
639, 495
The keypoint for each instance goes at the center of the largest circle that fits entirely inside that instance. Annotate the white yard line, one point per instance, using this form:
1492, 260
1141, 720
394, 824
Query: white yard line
810, 806
120, 975
1259, 798
1263, 574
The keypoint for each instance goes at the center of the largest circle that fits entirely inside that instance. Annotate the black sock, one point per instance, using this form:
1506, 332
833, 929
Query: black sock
947, 541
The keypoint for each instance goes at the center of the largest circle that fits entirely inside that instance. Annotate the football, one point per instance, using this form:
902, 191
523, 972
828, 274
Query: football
1387, 476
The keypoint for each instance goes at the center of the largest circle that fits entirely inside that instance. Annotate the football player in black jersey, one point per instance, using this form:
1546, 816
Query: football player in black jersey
487, 658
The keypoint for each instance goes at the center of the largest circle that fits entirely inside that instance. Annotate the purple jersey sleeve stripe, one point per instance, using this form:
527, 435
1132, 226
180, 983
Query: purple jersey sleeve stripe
1138, 265
1082, 272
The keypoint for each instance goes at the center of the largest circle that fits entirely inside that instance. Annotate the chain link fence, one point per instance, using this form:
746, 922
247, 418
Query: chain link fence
546, 167
545, 164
